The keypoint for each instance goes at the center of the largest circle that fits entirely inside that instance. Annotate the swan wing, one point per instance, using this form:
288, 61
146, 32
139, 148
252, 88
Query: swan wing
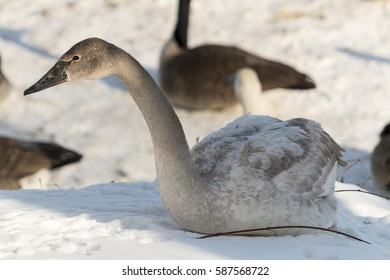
291, 156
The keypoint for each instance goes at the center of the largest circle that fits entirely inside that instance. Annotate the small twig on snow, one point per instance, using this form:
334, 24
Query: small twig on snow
282, 227
366, 192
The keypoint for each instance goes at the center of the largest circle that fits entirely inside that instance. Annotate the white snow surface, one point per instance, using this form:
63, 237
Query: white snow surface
107, 206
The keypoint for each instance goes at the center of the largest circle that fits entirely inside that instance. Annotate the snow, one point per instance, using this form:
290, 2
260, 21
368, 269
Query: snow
108, 206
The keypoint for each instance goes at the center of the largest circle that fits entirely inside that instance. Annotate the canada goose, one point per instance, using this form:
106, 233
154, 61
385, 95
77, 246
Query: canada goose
380, 160
257, 171
19, 159
4, 85
201, 78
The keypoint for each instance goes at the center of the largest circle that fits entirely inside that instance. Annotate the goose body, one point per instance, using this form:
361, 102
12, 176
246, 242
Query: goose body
202, 77
19, 159
5, 86
257, 171
380, 160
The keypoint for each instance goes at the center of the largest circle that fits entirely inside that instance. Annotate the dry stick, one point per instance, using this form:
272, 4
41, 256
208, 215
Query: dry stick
307, 227
282, 227
366, 192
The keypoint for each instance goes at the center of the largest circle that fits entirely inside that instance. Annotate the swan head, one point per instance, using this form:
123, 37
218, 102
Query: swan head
86, 60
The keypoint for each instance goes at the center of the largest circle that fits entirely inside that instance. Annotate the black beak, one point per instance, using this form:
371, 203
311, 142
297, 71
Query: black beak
55, 76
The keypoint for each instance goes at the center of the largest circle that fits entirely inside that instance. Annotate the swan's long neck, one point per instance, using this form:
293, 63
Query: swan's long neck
180, 34
177, 176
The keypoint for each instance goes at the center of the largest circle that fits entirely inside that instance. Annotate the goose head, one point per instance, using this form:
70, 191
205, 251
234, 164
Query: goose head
87, 60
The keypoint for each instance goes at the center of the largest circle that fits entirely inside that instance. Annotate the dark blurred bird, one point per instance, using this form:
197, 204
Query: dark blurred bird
203, 77
19, 159
380, 160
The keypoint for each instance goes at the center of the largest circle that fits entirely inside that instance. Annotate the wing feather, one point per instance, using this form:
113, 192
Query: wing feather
295, 155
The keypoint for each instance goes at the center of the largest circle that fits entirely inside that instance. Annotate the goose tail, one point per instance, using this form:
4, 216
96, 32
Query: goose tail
58, 155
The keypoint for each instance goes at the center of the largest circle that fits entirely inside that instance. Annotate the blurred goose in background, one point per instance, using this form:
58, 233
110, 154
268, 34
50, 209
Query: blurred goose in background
203, 77
255, 172
19, 159
4, 84
380, 160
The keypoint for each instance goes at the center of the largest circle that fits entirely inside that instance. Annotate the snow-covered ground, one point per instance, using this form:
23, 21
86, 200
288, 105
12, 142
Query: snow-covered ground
107, 206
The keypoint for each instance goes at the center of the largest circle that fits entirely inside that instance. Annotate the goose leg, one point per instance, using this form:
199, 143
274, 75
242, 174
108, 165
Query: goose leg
248, 89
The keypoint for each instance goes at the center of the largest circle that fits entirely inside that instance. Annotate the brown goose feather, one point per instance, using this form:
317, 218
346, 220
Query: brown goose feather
19, 159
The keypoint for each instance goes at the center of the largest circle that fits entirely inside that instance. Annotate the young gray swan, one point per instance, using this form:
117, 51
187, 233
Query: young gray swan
255, 172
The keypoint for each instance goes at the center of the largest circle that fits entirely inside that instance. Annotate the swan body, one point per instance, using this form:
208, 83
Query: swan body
201, 78
257, 171
380, 160
20, 158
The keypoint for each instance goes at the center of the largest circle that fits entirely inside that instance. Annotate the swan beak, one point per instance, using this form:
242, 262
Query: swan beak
55, 76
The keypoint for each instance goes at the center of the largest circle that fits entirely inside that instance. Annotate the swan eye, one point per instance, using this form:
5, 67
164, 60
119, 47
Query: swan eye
76, 58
